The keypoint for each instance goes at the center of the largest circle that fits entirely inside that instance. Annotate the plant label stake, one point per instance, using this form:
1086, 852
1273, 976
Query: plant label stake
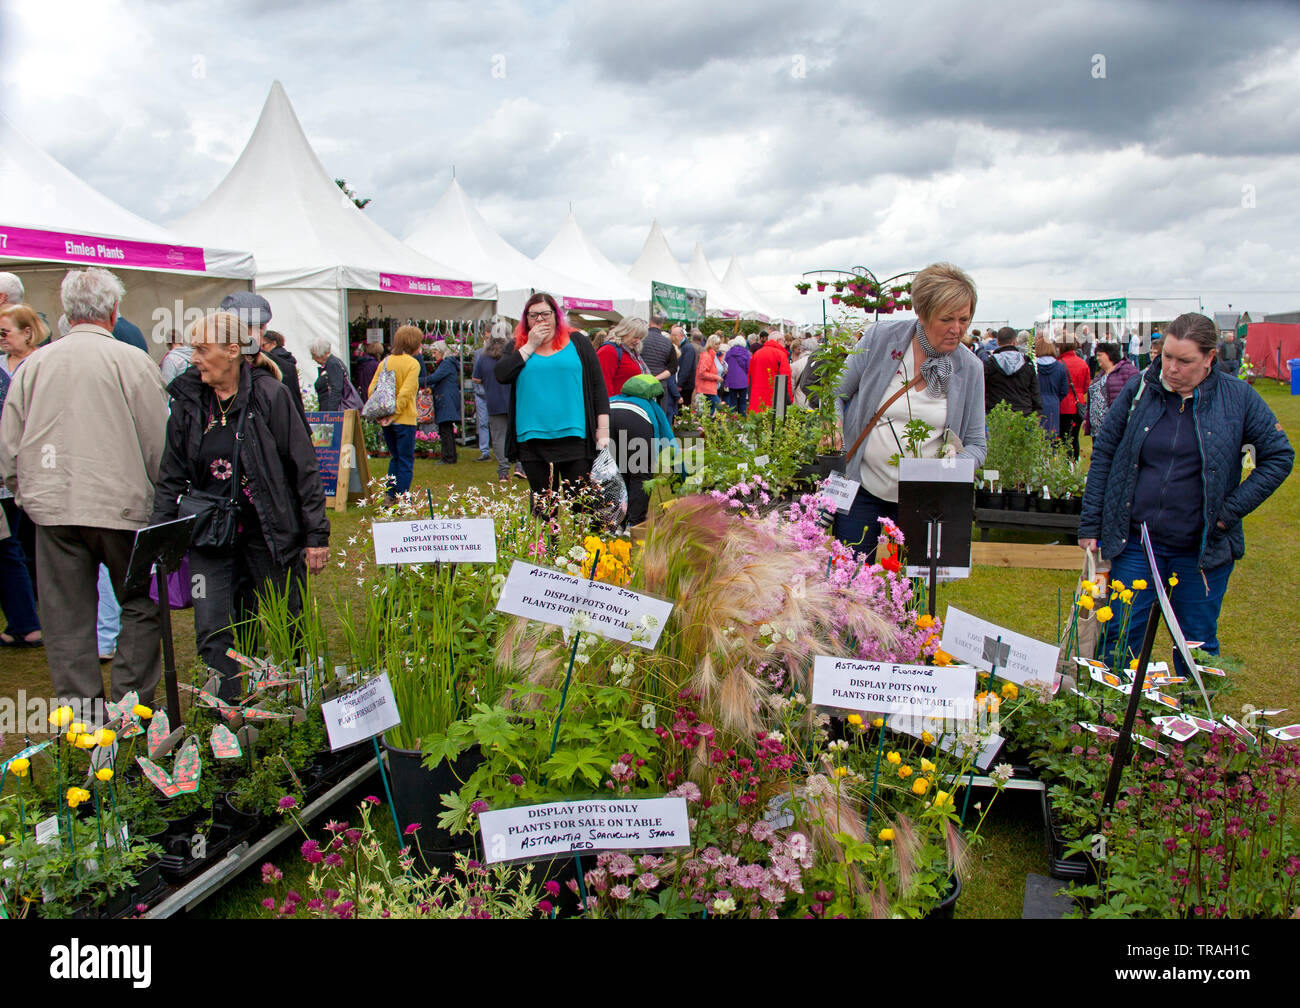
970, 781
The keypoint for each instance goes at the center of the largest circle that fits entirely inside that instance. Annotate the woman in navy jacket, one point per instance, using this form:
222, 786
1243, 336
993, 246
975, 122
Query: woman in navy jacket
1169, 454
445, 382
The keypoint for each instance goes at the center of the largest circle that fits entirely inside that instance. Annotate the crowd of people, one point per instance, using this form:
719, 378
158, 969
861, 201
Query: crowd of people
217, 432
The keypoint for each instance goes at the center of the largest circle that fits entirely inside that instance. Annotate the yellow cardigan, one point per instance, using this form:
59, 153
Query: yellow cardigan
407, 370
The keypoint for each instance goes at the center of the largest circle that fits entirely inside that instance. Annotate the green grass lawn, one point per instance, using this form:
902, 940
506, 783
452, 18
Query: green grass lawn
1256, 628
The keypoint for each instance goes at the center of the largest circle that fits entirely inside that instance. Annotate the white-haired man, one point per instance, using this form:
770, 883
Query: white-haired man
11, 289
81, 438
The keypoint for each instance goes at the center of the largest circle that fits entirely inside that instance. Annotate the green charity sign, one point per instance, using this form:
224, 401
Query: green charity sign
677, 304
1104, 308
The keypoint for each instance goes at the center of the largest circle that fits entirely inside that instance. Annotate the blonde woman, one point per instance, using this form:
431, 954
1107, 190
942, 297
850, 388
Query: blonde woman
620, 355
706, 373
21, 332
233, 422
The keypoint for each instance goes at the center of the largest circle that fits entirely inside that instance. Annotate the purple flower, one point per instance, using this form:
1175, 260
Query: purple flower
344, 910
371, 798
311, 852
516, 780
552, 888
411, 828
479, 806
353, 835
270, 873
333, 860
545, 906
288, 802
269, 902
620, 892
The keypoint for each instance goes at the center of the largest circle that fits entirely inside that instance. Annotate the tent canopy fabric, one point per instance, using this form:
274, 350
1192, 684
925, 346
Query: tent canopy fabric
314, 246
736, 281
306, 232
657, 262
1270, 344
700, 275
455, 232
52, 220
572, 253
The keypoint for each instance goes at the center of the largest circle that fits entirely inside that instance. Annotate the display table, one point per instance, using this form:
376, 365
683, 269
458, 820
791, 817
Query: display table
1064, 525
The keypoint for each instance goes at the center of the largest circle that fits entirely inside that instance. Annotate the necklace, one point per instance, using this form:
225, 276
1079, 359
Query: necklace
224, 409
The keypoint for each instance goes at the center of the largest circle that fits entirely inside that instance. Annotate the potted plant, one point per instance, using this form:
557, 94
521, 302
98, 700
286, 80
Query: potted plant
802, 287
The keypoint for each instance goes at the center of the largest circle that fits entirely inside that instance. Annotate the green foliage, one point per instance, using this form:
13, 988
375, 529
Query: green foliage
1017, 446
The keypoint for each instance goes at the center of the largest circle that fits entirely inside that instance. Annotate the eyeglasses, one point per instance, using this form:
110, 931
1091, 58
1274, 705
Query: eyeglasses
534, 316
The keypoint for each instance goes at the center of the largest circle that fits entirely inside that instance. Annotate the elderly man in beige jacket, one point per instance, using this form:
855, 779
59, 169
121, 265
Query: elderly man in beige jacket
80, 441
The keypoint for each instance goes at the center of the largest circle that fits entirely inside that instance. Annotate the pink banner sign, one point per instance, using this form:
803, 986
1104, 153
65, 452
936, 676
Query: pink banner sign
32, 244
400, 284
728, 314
585, 304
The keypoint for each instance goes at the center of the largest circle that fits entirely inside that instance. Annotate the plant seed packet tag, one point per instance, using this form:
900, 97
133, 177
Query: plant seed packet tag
1288, 733
1164, 699
208, 699
1112, 680
186, 769
1091, 663
1101, 731
1078, 692
1212, 671
1155, 746
1163, 680
1204, 724
1237, 729
224, 743
120, 716
160, 777
1180, 729
1273, 711
159, 729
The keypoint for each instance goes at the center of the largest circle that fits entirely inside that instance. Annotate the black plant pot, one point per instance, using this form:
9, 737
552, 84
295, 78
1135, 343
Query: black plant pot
982, 498
1071, 867
946, 907
1045, 505
417, 793
1017, 500
1076, 506
827, 464
997, 500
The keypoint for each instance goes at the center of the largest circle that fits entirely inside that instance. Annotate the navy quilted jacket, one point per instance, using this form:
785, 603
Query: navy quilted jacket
1229, 414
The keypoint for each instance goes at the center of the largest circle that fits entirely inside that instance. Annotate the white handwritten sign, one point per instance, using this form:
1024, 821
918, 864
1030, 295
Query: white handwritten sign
451, 540
550, 596
1018, 658
361, 714
841, 491
886, 688
539, 831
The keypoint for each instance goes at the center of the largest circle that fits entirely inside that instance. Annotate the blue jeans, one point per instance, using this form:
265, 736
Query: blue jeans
481, 420
16, 598
860, 526
400, 441
108, 623
712, 399
1196, 602
738, 399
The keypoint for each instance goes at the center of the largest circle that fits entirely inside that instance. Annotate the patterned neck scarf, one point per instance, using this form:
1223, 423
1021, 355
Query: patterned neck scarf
936, 369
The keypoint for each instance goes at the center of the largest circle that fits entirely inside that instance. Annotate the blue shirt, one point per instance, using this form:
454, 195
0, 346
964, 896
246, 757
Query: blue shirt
549, 400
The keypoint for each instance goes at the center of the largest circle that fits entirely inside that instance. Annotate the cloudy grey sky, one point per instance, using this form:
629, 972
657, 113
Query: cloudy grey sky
1070, 149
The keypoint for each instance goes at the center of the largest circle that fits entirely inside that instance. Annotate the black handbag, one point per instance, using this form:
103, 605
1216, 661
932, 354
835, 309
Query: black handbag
216, 516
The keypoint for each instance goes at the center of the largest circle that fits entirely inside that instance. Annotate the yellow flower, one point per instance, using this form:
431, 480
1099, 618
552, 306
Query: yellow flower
76, 728
1104, 614
894, 758
841, 771
926, 737
1087, 586
942, 657
855, 720
905, 772
2, 838
942, 799
1117, 586
886, 835
1139, 584
104, 773
591, 544
1085, 602
105, 736
925, 622
1133, 664
19, 767
927, 766
76, 796
85, 741
878, 723
1126, 596
62, 717
921, 785
1173, 580
142, 712
622, 549
1010, 691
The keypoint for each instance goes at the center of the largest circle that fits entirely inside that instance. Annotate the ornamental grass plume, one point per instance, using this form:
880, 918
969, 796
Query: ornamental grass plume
751, 606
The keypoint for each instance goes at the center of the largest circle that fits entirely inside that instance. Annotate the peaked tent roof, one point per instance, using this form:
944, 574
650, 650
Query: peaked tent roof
573, 253
738, 283
657, 262
456, 233
45, 209
305, 231
700, 274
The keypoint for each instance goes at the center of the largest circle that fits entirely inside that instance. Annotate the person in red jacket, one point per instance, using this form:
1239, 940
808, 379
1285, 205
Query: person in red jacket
1072, 406
768, 361
620, 355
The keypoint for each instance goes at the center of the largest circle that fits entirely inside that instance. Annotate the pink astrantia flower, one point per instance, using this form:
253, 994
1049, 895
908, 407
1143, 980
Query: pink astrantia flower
620, 892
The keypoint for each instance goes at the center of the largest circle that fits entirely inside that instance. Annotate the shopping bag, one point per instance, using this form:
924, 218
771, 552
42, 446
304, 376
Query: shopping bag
1083, 631
424, 409
178, 586
383, 400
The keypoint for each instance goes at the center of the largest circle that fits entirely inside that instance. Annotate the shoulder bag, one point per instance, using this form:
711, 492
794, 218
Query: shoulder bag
383, 400
217, 515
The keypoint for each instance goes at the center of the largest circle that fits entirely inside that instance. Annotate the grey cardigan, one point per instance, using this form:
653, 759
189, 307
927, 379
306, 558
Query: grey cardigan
871, 367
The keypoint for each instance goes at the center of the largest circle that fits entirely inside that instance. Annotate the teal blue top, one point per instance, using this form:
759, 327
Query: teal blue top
549, 399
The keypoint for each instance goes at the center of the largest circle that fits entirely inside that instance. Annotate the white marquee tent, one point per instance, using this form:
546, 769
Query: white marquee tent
455, 232
736, 281
51, 221
700, 275
657, 262
572, 253
319, 258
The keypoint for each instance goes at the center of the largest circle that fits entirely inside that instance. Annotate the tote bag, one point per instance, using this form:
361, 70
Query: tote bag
383, 400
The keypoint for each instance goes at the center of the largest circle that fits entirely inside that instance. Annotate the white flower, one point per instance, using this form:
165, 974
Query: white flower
790, 635
776, 736
1003, 772
724, 906
580, 621
765, 630
578, 553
